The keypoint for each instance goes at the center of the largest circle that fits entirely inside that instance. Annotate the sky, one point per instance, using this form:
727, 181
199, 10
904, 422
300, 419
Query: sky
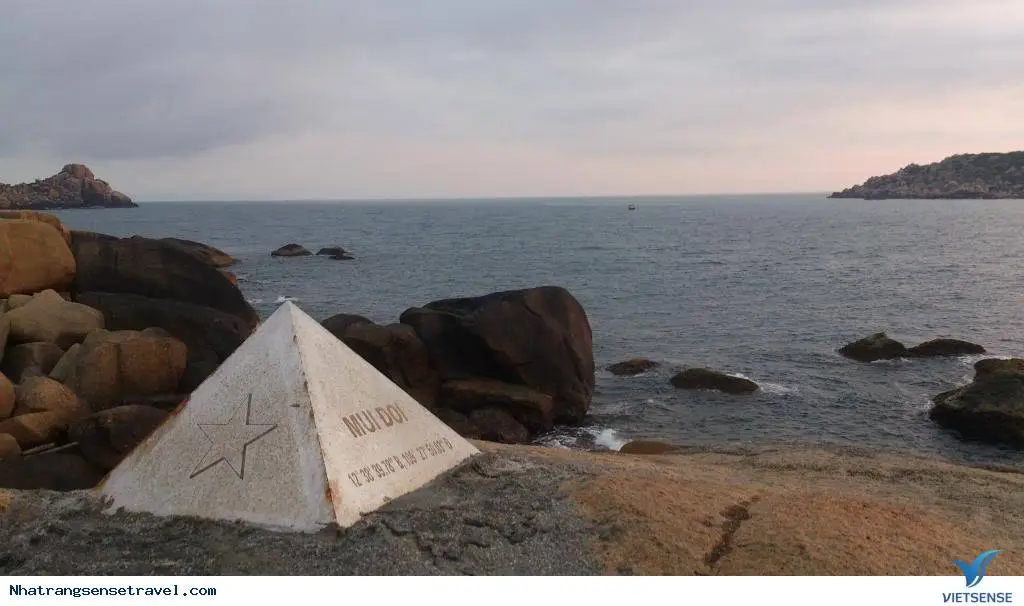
356, 99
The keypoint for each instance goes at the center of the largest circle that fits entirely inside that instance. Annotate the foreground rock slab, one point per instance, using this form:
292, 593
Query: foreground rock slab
520, 510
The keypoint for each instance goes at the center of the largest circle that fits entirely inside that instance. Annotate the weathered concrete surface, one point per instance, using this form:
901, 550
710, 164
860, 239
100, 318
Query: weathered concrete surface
293, 431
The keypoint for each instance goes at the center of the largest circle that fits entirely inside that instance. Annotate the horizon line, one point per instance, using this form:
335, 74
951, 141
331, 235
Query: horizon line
492, 198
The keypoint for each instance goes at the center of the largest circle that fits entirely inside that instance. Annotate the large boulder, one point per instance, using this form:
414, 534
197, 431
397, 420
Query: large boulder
106, 437
36, 428
702, 378
9, 447
7, 397
537, 337
113, 365
991, 408
204, 252
397, 353
31, 215
33, 256
945, 347
209, 335
43, 394
291, 250
30, 360
631, 367
49, 317
874, 347
59, 471
496, 425
532, 409
155, 269
66, 365
339, 323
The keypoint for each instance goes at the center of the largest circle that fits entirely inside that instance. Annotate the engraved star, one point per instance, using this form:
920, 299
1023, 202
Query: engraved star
230, 441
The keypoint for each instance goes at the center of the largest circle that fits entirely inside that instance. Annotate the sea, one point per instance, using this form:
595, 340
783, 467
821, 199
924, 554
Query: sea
766, 287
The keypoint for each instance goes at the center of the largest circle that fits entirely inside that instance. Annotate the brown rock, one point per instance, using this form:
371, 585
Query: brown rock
204, 252
9, 447
459, 422
7, 397
33, 257
990, 409
631, 367
105, 437
30, 360
496, 425
42, 394
59, 471
115, 365
291, 250
66, 365
702, 378
30, 215
339, 323
875, 347
984, 369
155, 269
35, 429
538, 337
945, 347
399, 354
210, 335
48, 317
332, 251
648, 447
532, 409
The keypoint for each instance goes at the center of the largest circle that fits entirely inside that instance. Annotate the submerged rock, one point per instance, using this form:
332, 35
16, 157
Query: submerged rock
945, 347
631, 367
648, 447
702, 378
291, 250
875, 347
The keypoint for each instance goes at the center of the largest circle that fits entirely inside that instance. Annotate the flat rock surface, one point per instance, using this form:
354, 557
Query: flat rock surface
525, 510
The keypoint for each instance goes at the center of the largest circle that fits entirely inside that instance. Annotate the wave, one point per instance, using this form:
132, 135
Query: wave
608, 438
284, 298
772, 388
254, 301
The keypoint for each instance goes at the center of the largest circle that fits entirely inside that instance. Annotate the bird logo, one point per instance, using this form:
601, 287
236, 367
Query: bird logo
975, 571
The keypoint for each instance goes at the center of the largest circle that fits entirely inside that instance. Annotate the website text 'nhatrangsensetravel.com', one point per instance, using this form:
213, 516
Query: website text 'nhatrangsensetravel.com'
71, 591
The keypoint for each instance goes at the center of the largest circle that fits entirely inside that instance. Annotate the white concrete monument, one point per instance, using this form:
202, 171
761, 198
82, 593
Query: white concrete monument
294, 431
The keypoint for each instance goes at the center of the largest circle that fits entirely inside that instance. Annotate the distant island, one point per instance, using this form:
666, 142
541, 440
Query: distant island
75, 186
963, 177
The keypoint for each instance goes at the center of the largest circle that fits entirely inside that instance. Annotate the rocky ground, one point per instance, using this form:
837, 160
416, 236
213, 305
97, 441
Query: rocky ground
526, 510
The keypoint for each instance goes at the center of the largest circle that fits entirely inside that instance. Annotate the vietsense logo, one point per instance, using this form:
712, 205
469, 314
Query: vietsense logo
974, 573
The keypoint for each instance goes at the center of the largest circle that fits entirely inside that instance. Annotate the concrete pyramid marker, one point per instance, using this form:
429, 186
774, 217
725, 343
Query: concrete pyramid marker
294, 431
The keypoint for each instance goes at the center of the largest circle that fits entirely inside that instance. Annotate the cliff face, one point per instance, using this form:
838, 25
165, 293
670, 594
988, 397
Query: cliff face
75, 186
964, 176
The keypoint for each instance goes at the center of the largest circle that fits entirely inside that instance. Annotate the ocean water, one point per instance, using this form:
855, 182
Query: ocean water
767, 287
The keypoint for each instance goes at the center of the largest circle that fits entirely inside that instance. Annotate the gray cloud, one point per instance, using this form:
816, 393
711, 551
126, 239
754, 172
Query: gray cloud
131, 80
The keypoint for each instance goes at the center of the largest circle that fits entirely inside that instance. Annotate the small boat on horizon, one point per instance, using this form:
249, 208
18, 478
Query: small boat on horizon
631, 207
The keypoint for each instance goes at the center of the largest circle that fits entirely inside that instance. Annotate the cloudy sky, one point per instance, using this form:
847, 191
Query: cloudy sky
291, 99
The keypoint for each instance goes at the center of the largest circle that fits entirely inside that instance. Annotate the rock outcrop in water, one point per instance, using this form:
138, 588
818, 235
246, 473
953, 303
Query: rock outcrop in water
631, 367
963, 176
75, 186
880, 346
991, 408
702, 378
504, 367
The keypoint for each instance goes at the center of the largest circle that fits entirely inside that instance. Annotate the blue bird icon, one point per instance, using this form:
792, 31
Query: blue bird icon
975, 571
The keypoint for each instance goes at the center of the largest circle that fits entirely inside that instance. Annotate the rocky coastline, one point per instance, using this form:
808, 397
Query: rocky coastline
958, 177
103, 337
75, 186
